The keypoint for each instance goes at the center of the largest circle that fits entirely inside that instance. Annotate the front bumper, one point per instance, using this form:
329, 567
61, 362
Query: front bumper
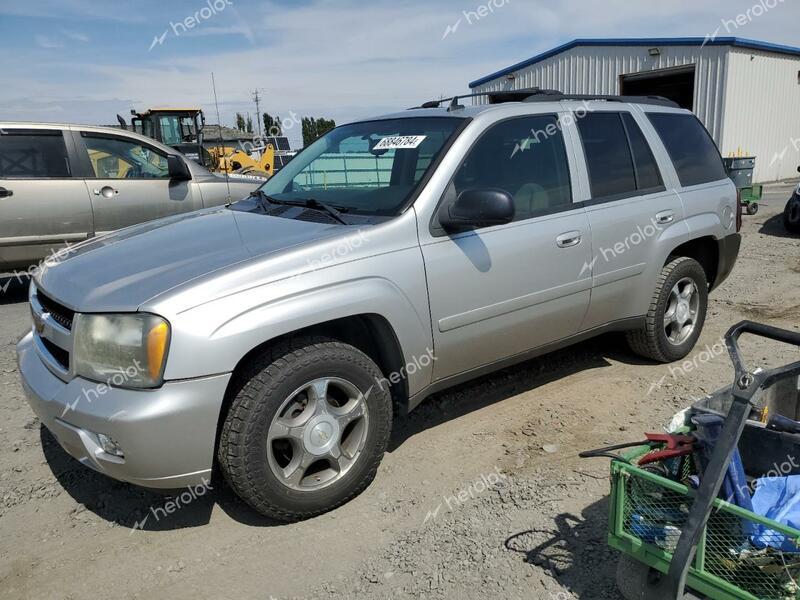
167, 434
728, 253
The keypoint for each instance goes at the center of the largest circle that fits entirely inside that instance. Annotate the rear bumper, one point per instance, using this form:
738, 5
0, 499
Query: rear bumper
728, 253
167, 435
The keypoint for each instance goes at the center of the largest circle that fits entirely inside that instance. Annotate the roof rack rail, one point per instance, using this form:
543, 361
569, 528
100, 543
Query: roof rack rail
545, 95
654, 100
498, 97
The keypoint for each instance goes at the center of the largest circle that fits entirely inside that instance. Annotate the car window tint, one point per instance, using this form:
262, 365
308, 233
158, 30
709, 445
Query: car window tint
648, 175
694, 153
525, 157
608, 155
27, 155
120, 158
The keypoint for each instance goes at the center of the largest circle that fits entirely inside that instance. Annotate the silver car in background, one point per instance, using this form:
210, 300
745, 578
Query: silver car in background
63, 184
275, 340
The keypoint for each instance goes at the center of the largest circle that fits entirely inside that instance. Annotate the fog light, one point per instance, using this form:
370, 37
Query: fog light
110, 446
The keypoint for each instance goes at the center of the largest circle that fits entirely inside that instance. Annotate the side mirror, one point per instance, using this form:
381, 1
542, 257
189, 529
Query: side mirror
478, 208
177, 168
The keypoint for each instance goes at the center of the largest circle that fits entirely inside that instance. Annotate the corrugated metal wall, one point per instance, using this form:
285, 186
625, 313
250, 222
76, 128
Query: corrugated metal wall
762, 112
597, 70
749, 105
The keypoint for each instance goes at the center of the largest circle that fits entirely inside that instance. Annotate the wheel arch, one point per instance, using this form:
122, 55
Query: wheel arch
370, 333
705, 250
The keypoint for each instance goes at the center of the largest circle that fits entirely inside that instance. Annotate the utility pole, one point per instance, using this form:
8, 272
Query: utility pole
257, 99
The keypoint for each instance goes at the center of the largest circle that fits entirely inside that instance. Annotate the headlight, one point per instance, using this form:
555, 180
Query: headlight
125, 350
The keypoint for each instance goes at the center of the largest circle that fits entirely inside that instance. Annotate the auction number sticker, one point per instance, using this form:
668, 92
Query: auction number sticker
400, 142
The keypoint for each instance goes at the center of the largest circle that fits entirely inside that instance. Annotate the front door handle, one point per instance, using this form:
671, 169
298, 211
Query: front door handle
106, 191
664, 217
569, 239
4, 193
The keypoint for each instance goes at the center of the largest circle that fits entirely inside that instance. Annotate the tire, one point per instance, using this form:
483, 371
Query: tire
634, 577
791, 216
652, 340
752, 208
267, 403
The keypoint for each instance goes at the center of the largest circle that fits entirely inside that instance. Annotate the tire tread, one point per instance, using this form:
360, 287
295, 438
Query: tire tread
253, 387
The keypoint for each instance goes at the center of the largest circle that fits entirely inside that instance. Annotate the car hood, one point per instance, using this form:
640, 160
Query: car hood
122, 270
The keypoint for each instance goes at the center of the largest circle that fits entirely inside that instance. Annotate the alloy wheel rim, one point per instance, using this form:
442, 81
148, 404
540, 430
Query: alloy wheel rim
317, 434
682, 310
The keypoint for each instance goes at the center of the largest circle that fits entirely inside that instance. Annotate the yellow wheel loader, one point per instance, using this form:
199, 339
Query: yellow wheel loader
182, 129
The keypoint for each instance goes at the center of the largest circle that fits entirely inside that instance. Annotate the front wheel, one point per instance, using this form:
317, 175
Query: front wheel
307, 428
752, 208
677, 313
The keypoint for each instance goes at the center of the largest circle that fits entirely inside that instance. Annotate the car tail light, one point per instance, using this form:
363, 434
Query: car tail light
739, 207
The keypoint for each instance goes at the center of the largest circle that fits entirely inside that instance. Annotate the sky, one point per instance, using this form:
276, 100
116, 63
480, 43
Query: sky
85, 61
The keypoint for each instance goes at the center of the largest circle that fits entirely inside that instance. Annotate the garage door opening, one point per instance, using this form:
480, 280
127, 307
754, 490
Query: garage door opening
675, 84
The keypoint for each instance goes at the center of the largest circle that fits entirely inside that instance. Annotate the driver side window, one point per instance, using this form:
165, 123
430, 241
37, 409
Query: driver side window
119, 158
526, 158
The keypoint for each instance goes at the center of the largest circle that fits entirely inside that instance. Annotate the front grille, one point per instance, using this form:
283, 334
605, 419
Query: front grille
59, 313
61, 355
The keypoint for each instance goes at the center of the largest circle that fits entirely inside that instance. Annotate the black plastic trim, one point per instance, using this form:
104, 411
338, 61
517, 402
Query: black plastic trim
728, 254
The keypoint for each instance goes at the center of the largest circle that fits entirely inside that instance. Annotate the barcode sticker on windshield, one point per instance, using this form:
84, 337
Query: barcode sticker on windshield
400, 142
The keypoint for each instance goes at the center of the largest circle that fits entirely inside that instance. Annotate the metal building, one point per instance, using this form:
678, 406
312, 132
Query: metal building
747, 93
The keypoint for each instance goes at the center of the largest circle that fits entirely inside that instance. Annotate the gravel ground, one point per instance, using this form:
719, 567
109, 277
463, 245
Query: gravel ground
481, 495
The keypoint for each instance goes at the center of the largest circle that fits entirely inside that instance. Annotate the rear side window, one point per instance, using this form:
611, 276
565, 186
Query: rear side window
608, 155
33, 154
647, 174
694, 153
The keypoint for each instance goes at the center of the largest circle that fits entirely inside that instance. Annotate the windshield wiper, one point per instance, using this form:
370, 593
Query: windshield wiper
264, 198
313, 204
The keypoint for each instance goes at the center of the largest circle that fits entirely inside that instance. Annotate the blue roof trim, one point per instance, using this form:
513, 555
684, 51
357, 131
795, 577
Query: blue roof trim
688, 41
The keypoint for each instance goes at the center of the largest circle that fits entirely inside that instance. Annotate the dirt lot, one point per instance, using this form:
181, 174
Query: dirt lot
481, 495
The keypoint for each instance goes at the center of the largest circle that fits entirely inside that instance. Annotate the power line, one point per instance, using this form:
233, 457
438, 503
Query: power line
257, 99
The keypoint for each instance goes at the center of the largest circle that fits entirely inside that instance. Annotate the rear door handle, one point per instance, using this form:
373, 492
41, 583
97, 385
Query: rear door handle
106, 191
664, 217
4, 193
569, 239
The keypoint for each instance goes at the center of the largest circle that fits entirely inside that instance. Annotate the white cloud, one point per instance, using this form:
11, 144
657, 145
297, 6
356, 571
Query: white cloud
342, 59
47, 42
76, 36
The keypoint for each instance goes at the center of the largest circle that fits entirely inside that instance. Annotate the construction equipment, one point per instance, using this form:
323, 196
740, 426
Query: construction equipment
182, 129
228, 159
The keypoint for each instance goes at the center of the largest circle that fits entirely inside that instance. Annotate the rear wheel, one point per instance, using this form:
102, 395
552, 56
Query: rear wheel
791, 216
752, 208
676, 315
307, 428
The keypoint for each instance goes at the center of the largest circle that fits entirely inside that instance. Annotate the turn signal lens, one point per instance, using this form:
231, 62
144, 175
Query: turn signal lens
157, 340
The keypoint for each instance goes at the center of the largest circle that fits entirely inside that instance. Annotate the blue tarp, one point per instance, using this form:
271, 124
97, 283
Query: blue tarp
777, 498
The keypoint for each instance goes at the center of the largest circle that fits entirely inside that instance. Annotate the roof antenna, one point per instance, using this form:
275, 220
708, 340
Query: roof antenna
454, 105
219, 121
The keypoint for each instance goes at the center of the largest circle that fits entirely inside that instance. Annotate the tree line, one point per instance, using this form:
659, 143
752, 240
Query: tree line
312, 127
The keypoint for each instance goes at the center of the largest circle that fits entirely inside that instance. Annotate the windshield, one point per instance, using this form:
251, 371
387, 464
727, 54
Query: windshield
368, 168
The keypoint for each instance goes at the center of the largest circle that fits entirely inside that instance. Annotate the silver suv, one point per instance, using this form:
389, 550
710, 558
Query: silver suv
276, 339
62, 184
